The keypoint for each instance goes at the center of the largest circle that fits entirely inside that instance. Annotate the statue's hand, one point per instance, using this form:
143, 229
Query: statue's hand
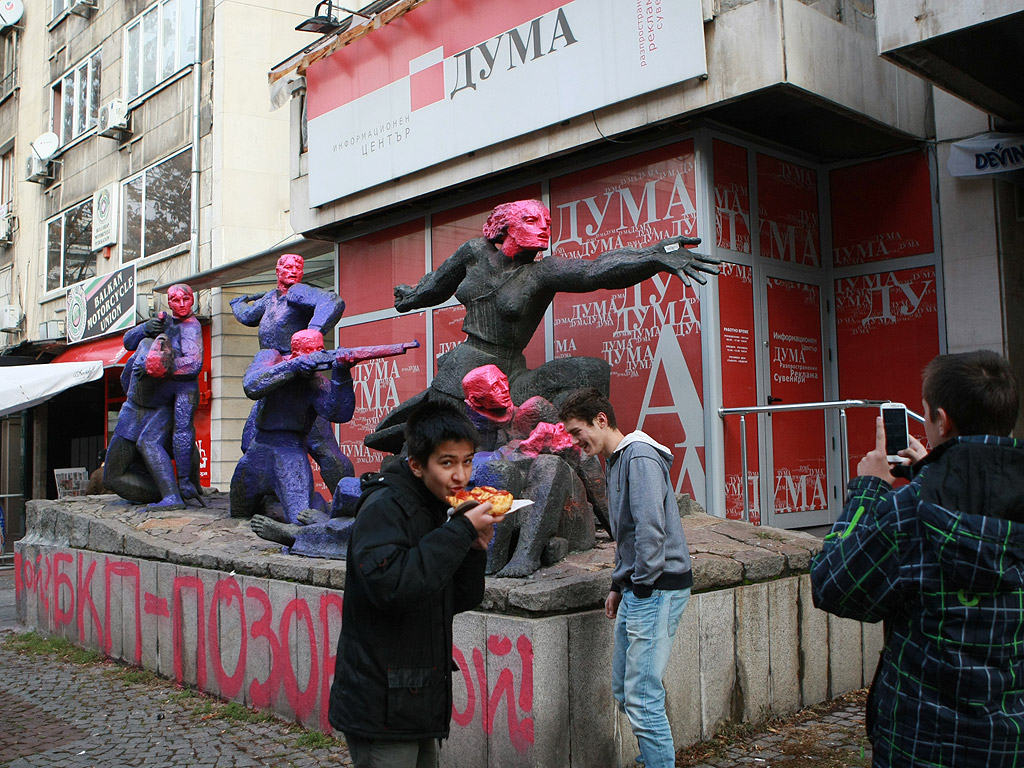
403, 295
157, 325
685, 263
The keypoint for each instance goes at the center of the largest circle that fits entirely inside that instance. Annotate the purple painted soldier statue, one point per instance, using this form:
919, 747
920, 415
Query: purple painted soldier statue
156, 420
293, 395
506, 292
294, 306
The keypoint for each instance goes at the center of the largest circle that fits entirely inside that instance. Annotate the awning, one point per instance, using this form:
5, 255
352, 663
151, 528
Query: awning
23, 386
108, 351
264, 261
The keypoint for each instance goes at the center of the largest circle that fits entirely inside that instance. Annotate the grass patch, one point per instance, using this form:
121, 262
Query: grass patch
33, 644
316, 740
242, 714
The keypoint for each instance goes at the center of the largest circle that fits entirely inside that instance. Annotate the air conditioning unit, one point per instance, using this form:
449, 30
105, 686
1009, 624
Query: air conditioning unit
10, 317
38, 170
82, 8
114, 119
6, 229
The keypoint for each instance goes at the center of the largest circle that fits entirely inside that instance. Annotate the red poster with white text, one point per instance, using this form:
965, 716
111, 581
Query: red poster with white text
382, 384
732, 197
887, 329
739, 388
881, 209
648, 333
799, 451
787, 196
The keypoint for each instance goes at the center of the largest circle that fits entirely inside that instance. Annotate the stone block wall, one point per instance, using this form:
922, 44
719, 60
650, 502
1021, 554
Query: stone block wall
531, 691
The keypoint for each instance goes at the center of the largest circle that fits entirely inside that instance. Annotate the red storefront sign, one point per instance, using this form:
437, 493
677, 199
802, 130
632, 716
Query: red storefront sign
650, 333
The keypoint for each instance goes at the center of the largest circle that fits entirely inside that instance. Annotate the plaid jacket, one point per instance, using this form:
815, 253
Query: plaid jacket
941, 561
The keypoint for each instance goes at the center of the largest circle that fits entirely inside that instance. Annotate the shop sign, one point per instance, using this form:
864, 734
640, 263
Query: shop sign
452, 77
104, 217
101, 305
986, 154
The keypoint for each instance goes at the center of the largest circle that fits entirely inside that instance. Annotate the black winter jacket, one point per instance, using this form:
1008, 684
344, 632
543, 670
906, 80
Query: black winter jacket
410, 570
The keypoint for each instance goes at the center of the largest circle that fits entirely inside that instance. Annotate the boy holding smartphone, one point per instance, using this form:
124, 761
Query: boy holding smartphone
941, 561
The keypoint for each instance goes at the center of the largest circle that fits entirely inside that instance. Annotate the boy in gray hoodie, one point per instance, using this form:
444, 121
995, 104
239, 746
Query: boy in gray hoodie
652, 578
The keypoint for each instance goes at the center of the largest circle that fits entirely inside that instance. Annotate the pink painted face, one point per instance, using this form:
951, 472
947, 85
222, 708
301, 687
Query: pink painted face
306, 342
529, 228
487, 392
181, 302
289, 271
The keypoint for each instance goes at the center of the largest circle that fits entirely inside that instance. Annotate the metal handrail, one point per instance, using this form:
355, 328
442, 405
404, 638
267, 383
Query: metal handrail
840, 405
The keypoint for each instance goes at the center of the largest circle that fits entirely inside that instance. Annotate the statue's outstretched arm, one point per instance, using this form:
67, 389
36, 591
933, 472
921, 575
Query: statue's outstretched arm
248, 309
441, 284
628, 266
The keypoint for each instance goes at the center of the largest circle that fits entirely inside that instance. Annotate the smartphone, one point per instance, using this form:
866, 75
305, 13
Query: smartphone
894, 419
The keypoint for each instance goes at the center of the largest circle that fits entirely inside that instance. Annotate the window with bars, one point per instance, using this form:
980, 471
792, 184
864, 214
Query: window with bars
75, 103
69, 254
157, 208
157, 44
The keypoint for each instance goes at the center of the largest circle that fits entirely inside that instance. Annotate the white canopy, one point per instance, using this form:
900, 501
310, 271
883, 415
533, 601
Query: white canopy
22, 386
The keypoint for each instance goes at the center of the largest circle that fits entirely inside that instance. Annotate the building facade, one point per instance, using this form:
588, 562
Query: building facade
814, 168
138, 149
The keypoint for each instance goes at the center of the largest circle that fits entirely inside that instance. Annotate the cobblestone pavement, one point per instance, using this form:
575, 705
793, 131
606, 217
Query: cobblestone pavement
54, 713
829, 735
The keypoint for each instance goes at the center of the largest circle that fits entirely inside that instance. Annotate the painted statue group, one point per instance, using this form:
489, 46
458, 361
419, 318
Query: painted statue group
300, 390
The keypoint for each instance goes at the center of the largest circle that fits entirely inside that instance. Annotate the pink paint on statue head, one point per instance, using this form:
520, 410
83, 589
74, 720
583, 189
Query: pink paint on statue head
547, 438
306, 342
487, 393
524, 225
289, 271
180, 298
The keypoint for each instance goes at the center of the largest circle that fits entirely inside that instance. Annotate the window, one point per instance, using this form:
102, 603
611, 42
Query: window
7, 182
9, 63
157, 208
6, 285
58, 7
69, 254
76, 99
157, 44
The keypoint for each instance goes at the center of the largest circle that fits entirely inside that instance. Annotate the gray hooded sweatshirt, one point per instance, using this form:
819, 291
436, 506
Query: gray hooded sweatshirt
651, 551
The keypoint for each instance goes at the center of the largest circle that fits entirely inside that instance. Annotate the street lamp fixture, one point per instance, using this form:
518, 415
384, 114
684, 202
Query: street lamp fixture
324, 22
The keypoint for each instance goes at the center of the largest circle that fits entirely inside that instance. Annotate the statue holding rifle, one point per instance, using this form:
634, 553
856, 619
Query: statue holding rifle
293, 394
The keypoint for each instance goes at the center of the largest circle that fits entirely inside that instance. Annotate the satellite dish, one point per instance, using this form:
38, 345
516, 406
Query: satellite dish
11, 12
46, 145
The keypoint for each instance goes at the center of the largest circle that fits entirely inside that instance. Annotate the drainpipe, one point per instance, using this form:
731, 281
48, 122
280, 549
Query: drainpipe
197, 71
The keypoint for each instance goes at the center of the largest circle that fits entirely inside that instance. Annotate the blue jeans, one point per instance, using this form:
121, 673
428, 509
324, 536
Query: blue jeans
644, 629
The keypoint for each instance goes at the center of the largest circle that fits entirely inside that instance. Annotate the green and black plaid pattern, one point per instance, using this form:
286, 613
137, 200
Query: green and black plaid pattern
941, 561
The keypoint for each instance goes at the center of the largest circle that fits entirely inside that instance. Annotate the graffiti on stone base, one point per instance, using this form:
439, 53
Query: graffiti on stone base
218, 628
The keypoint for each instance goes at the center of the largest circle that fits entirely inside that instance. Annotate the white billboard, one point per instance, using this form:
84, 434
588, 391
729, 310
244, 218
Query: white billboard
454, 76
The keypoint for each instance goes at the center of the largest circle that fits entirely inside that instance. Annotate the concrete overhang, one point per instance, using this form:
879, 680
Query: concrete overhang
971, 49
259, 268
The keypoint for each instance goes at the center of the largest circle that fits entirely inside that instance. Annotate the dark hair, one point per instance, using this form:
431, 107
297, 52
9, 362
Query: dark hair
433, 422
977, 390
585, 404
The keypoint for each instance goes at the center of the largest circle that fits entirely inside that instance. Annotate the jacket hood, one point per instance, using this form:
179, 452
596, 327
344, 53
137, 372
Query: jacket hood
972, 511
643, 437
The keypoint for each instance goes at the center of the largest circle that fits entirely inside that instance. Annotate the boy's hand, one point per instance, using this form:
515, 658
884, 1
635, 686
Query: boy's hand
611, 604
915, 451
480, 516
874, 463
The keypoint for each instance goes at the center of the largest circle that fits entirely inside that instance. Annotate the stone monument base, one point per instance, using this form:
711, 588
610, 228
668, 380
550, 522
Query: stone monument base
193, 595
